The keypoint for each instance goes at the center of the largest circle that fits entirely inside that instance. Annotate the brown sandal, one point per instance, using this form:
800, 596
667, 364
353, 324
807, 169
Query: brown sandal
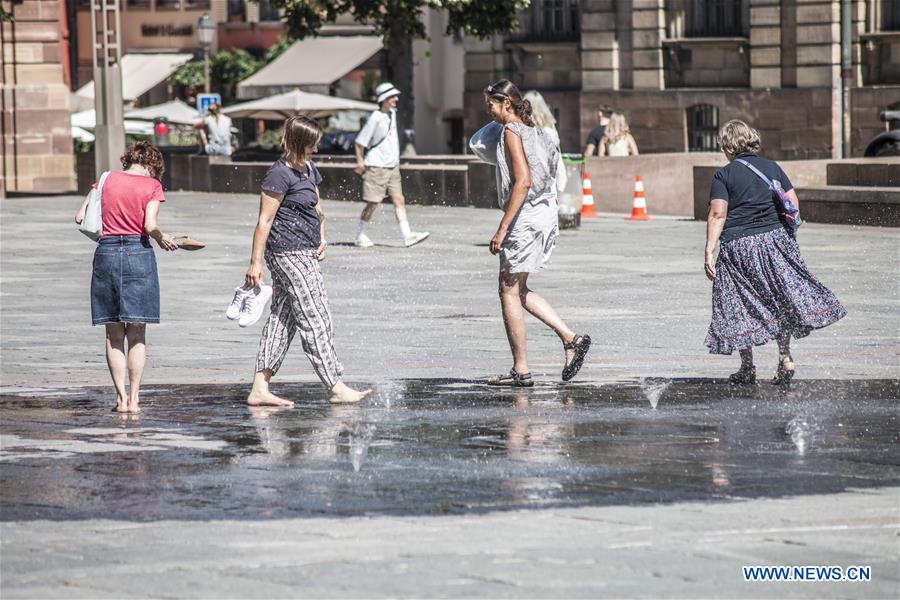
511, 379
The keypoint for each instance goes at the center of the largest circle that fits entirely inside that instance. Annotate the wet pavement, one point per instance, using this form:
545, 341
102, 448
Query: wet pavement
432, 447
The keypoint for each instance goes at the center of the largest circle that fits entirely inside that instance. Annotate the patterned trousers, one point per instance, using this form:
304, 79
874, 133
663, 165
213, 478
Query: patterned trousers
299, 303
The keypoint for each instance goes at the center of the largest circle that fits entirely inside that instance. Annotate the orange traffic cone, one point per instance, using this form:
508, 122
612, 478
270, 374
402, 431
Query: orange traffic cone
639, 206
587, 197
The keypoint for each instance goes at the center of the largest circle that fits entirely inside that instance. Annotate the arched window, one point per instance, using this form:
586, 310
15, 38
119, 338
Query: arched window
702, 126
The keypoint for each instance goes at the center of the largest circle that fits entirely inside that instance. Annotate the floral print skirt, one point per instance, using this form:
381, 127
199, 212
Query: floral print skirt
762, 290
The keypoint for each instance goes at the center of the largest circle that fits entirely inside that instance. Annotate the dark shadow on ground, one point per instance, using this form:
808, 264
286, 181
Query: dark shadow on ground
439, 446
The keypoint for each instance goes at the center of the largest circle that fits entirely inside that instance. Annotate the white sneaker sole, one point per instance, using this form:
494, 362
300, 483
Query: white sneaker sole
409, 243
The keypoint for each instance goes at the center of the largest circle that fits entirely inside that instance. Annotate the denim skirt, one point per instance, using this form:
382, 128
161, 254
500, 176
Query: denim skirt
125, 282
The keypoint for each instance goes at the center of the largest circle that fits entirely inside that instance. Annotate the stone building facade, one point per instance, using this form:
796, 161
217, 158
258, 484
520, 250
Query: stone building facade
34, 100
680, 68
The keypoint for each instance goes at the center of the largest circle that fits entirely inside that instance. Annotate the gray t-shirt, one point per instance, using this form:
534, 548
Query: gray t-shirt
296, 224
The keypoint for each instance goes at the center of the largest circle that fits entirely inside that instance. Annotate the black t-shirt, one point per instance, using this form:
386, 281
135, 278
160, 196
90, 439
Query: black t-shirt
751, 204
596, 135
296, 224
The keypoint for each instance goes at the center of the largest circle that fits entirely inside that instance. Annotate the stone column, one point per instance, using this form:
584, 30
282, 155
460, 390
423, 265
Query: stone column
599, 47
36, 154
819, 57
648, 31
765, 43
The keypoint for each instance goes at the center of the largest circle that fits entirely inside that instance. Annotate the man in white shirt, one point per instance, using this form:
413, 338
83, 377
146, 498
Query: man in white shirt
378, 161
215, 132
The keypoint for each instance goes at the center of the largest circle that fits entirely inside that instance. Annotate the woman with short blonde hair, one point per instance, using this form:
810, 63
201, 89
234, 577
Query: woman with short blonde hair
762, 288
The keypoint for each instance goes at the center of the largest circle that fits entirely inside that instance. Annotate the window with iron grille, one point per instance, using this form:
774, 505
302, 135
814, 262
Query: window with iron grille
890, 15
713, 18
237, 10
550, 21
703, 127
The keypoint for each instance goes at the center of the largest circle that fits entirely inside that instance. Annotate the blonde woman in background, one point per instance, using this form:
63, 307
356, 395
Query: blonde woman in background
543, 118
617, 141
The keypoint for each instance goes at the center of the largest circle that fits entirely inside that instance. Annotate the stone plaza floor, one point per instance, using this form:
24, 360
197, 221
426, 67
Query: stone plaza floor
647, 476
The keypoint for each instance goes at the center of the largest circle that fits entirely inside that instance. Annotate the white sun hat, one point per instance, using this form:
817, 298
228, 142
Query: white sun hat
384, 91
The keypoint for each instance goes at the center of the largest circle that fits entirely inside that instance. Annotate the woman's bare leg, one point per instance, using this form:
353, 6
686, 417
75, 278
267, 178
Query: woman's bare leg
260, 394
137, 358
535, 304
511, 285
115, 360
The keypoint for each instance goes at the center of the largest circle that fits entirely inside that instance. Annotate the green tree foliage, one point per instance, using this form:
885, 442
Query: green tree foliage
226, 69
283, 43
399, 22
8, 16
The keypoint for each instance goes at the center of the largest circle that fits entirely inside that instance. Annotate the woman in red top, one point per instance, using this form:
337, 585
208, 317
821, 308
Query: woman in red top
125, 283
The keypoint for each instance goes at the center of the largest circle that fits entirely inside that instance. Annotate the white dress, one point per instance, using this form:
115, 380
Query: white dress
618, 147
532, 234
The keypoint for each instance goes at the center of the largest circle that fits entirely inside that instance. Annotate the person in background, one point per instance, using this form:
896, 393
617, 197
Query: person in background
526, 191
617, 140
543, 118
290, 236
378, 162
124, 280
215, 132
596, 134
762, 288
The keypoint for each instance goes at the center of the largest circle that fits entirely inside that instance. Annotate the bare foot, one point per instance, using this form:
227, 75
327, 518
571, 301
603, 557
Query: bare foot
342, 394
121, 405
133, 407
266, 398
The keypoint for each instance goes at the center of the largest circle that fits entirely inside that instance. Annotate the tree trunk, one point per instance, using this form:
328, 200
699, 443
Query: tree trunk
400, 73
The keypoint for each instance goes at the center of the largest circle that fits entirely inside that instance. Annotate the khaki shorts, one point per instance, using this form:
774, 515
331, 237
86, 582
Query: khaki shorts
379, 183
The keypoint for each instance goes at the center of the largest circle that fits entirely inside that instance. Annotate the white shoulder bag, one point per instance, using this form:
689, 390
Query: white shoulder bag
92, 225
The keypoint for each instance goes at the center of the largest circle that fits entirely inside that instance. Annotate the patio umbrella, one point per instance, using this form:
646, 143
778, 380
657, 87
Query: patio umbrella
174, 111
296, 102
87, 119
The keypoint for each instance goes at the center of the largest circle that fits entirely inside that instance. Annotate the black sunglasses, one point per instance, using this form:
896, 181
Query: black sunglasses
492, 91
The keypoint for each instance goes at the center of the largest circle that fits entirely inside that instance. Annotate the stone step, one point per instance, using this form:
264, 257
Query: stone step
851, 205
880, 172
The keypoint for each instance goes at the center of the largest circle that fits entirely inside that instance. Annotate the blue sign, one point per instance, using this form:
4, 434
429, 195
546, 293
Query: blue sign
204, 100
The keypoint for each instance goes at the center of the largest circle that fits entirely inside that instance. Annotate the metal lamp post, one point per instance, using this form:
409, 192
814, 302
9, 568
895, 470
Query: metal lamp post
206, 32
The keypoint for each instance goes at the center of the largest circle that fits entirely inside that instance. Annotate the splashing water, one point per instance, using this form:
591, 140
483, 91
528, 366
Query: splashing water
388, 393
800, 432
653, 390
360, 438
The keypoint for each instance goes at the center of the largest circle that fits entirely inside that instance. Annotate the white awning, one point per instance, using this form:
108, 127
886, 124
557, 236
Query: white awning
140, 73
311, 62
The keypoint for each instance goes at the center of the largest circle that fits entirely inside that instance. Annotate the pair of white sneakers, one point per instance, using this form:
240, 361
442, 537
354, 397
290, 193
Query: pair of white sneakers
248, 304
